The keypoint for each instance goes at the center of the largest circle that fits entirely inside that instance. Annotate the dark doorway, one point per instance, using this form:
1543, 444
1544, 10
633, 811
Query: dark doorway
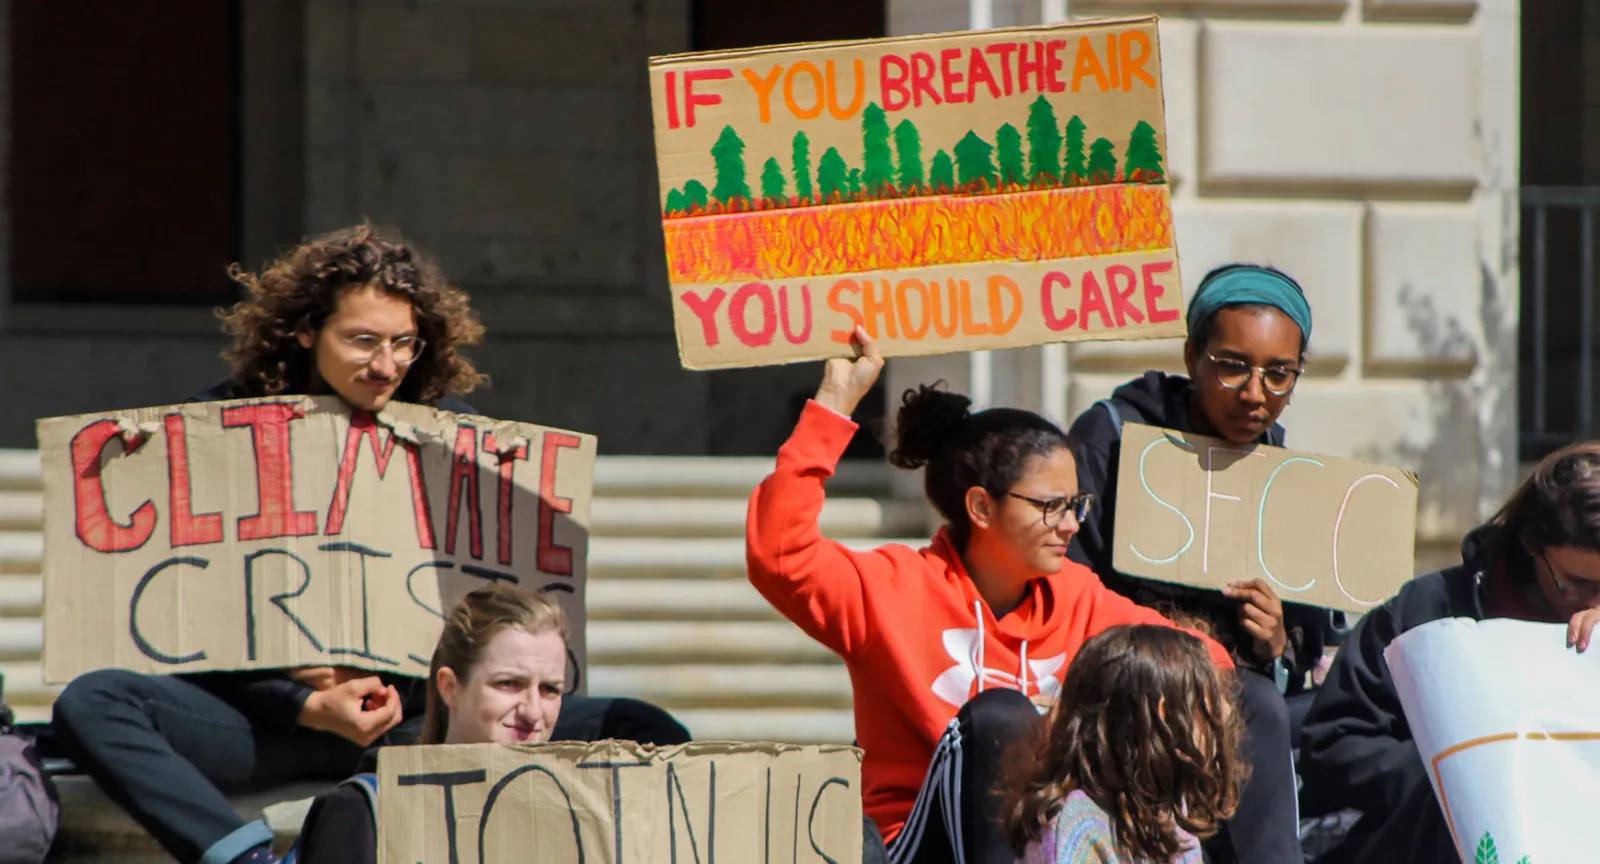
124, 151
753, 410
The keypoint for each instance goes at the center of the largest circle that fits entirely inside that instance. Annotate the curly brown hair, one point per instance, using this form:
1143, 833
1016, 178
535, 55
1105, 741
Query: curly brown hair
1145, 726
296, 293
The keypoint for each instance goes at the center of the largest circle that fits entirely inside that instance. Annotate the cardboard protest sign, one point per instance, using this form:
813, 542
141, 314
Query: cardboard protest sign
948, 193
1507, 721
1204, 511
288, 531
617, 802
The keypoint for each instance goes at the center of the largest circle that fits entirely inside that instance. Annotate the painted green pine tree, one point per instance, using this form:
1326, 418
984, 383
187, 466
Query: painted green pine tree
728, 154
1008, 152
877, 163
695, 195
1102, 162
908, 148
942, 174
1044, 142
1077, 170
676, 203
855, 182
772, 180
801, 166
974, 162
1142, 163
1486, 853
833, 176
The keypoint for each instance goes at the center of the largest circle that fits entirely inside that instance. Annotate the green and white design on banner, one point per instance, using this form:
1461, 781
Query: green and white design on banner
1506, 718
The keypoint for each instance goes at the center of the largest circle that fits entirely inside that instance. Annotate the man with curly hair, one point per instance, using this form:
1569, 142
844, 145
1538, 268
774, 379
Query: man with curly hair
367, 317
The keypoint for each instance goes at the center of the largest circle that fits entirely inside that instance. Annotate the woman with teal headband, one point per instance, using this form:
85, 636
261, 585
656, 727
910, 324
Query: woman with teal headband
1248, 331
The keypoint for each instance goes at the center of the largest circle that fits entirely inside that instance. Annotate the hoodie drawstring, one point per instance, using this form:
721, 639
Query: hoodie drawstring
1022, 666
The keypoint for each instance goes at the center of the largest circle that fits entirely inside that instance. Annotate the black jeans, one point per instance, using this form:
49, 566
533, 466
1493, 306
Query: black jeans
1266, 827
956, 819
169, 752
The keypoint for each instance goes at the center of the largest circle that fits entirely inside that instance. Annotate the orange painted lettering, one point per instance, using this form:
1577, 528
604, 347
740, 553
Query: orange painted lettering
873, 308
808, 68
969, 323
944, 328
914, 329
1133, 63
764, 88
1002, 322
1111, 60
837, 304
833, 91
1088, 64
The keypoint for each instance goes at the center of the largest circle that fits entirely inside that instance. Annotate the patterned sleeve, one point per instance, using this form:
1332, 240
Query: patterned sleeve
1080, 833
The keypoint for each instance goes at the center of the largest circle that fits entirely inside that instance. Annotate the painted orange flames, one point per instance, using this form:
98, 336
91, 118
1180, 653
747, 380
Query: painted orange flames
1038, 225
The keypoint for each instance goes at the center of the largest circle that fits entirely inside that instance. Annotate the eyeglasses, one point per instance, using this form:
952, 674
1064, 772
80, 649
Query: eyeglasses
1584, 589
1055, 509
1235, 374
365, 348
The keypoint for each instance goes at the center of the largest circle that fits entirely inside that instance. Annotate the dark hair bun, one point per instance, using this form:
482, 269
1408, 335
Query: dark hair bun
929, 417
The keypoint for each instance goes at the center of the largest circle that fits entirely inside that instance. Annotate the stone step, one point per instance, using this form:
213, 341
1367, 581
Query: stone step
725, 517
692, 686
792, 726
21, 509
21, 596
676, 599
19, 469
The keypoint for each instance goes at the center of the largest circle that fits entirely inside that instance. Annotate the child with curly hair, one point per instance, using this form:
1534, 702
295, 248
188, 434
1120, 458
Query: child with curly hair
1139, 758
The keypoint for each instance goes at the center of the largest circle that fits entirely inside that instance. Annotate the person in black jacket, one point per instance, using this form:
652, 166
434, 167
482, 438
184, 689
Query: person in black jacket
1248, 331
366, 317
1538, 559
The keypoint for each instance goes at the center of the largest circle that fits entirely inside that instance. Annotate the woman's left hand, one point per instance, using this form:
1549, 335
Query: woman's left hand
1580, 628
1261, 615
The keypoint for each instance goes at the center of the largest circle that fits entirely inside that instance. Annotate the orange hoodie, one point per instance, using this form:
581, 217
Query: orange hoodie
917, 638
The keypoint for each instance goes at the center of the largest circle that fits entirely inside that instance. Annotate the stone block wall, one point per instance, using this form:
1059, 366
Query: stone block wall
1369, 149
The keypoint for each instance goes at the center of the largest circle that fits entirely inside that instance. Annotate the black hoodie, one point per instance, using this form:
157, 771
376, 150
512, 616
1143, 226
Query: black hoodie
1358, 752
1158, 399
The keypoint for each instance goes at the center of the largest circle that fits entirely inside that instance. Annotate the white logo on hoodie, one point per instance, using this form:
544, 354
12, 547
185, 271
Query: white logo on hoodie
965, 647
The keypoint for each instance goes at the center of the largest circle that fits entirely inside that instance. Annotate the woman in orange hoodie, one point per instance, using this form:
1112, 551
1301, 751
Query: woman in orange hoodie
954, 649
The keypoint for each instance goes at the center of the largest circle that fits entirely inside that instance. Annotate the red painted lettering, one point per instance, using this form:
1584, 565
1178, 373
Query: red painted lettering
837, 304
1153, 291
1093, 300
783, 310
1122, 294
706, 310
1030, 63
895, 94
922, 78
1053, 66
1003, 50
464, 479
275, 515
95, 526
553, 558
1069, 316
978, 72
187, 529
672, 100
952, 79
508, 464
769, 316
691, 98
364, 428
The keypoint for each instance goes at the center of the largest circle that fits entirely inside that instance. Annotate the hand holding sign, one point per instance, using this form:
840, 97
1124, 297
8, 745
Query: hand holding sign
1261, 616
846, 382
1580, 628
324, 677
361, 710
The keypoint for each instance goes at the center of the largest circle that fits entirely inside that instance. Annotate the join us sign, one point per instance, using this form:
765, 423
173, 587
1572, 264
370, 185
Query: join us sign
946, 193
283, 532
1206, 512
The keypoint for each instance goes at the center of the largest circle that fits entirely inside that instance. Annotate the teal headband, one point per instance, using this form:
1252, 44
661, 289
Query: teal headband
1251, 284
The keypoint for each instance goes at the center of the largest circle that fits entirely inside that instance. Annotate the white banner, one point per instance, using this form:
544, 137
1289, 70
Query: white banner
1507, 720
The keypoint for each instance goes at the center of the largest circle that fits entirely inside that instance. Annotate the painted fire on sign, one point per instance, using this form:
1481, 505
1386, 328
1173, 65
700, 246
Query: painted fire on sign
947, 193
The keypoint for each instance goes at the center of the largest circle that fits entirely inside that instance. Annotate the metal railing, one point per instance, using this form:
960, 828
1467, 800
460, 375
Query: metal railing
1556, 369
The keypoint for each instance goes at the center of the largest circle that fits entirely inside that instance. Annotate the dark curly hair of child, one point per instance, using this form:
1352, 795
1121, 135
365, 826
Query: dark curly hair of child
1146, 728
298, 292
